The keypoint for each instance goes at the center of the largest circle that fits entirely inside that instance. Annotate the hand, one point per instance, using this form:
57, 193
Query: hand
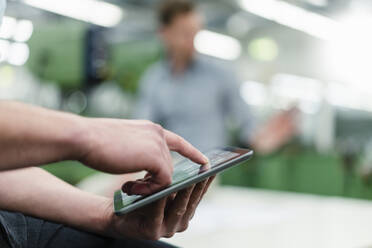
125, 146
162, 218
277, 131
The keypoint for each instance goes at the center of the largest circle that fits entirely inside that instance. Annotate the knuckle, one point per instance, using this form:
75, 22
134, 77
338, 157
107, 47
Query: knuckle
168, 180
157, 221
180, 212
169, 235
178, 140
147, 123
161, 143
192, 216
158, 140
184, 227
194, 205
157, 128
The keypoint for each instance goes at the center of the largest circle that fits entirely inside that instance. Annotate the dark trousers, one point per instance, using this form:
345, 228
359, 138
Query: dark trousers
21, 231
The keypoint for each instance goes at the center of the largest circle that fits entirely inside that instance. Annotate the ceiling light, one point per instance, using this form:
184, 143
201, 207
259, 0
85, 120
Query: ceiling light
263, 49
217, 45
318, 3
4, 50
18, 53
7, 28
349, 58
24, 31
92, 11
292, 16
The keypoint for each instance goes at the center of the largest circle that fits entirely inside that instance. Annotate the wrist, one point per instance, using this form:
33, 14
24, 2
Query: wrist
103, 217
78, 137
95, 216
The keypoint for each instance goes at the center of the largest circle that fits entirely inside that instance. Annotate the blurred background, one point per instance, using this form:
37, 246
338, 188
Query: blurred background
303, 62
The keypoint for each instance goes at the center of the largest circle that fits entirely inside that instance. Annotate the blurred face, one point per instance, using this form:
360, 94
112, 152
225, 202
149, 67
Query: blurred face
178, 37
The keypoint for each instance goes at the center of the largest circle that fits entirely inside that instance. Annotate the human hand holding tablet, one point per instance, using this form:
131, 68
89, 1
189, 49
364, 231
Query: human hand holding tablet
186, 173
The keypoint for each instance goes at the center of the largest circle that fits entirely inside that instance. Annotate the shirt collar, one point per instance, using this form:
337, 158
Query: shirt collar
191, 66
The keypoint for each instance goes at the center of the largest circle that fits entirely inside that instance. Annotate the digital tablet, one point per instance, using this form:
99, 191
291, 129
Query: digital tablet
185, 174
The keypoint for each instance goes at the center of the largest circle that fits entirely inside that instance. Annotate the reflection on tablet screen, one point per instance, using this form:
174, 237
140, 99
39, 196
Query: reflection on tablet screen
186, 169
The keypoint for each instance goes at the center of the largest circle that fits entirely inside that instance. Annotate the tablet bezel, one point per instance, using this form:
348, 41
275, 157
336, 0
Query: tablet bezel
244, 154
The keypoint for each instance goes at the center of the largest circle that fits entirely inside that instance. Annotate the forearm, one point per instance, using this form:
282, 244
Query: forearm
35, 192
31, 136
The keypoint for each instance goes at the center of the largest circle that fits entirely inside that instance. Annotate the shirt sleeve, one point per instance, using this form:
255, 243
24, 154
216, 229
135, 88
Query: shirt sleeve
235, 107
147, 106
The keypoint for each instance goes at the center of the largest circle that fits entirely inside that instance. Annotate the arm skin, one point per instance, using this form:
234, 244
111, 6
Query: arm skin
32, 136
35, 192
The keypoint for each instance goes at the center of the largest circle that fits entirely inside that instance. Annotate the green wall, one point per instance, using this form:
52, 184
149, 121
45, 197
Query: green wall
63, 43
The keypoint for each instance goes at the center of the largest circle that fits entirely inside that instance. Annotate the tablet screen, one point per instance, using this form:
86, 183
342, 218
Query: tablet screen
187, 169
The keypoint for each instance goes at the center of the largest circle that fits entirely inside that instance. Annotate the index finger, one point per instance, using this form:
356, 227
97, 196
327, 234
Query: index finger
178, 144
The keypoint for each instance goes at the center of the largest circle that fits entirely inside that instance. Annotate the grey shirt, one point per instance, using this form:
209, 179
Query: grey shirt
197, 104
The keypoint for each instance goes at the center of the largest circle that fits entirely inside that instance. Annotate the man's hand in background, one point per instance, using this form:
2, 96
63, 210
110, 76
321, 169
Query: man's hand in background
277, 131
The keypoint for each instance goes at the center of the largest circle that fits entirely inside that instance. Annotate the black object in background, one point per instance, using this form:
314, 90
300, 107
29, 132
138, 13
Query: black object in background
96, 57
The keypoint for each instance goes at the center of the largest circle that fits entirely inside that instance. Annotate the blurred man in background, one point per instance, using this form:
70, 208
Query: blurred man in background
195, 96
186, 92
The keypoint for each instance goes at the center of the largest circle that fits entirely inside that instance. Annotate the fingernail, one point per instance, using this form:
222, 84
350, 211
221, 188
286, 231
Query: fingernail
127, 188
206, 159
